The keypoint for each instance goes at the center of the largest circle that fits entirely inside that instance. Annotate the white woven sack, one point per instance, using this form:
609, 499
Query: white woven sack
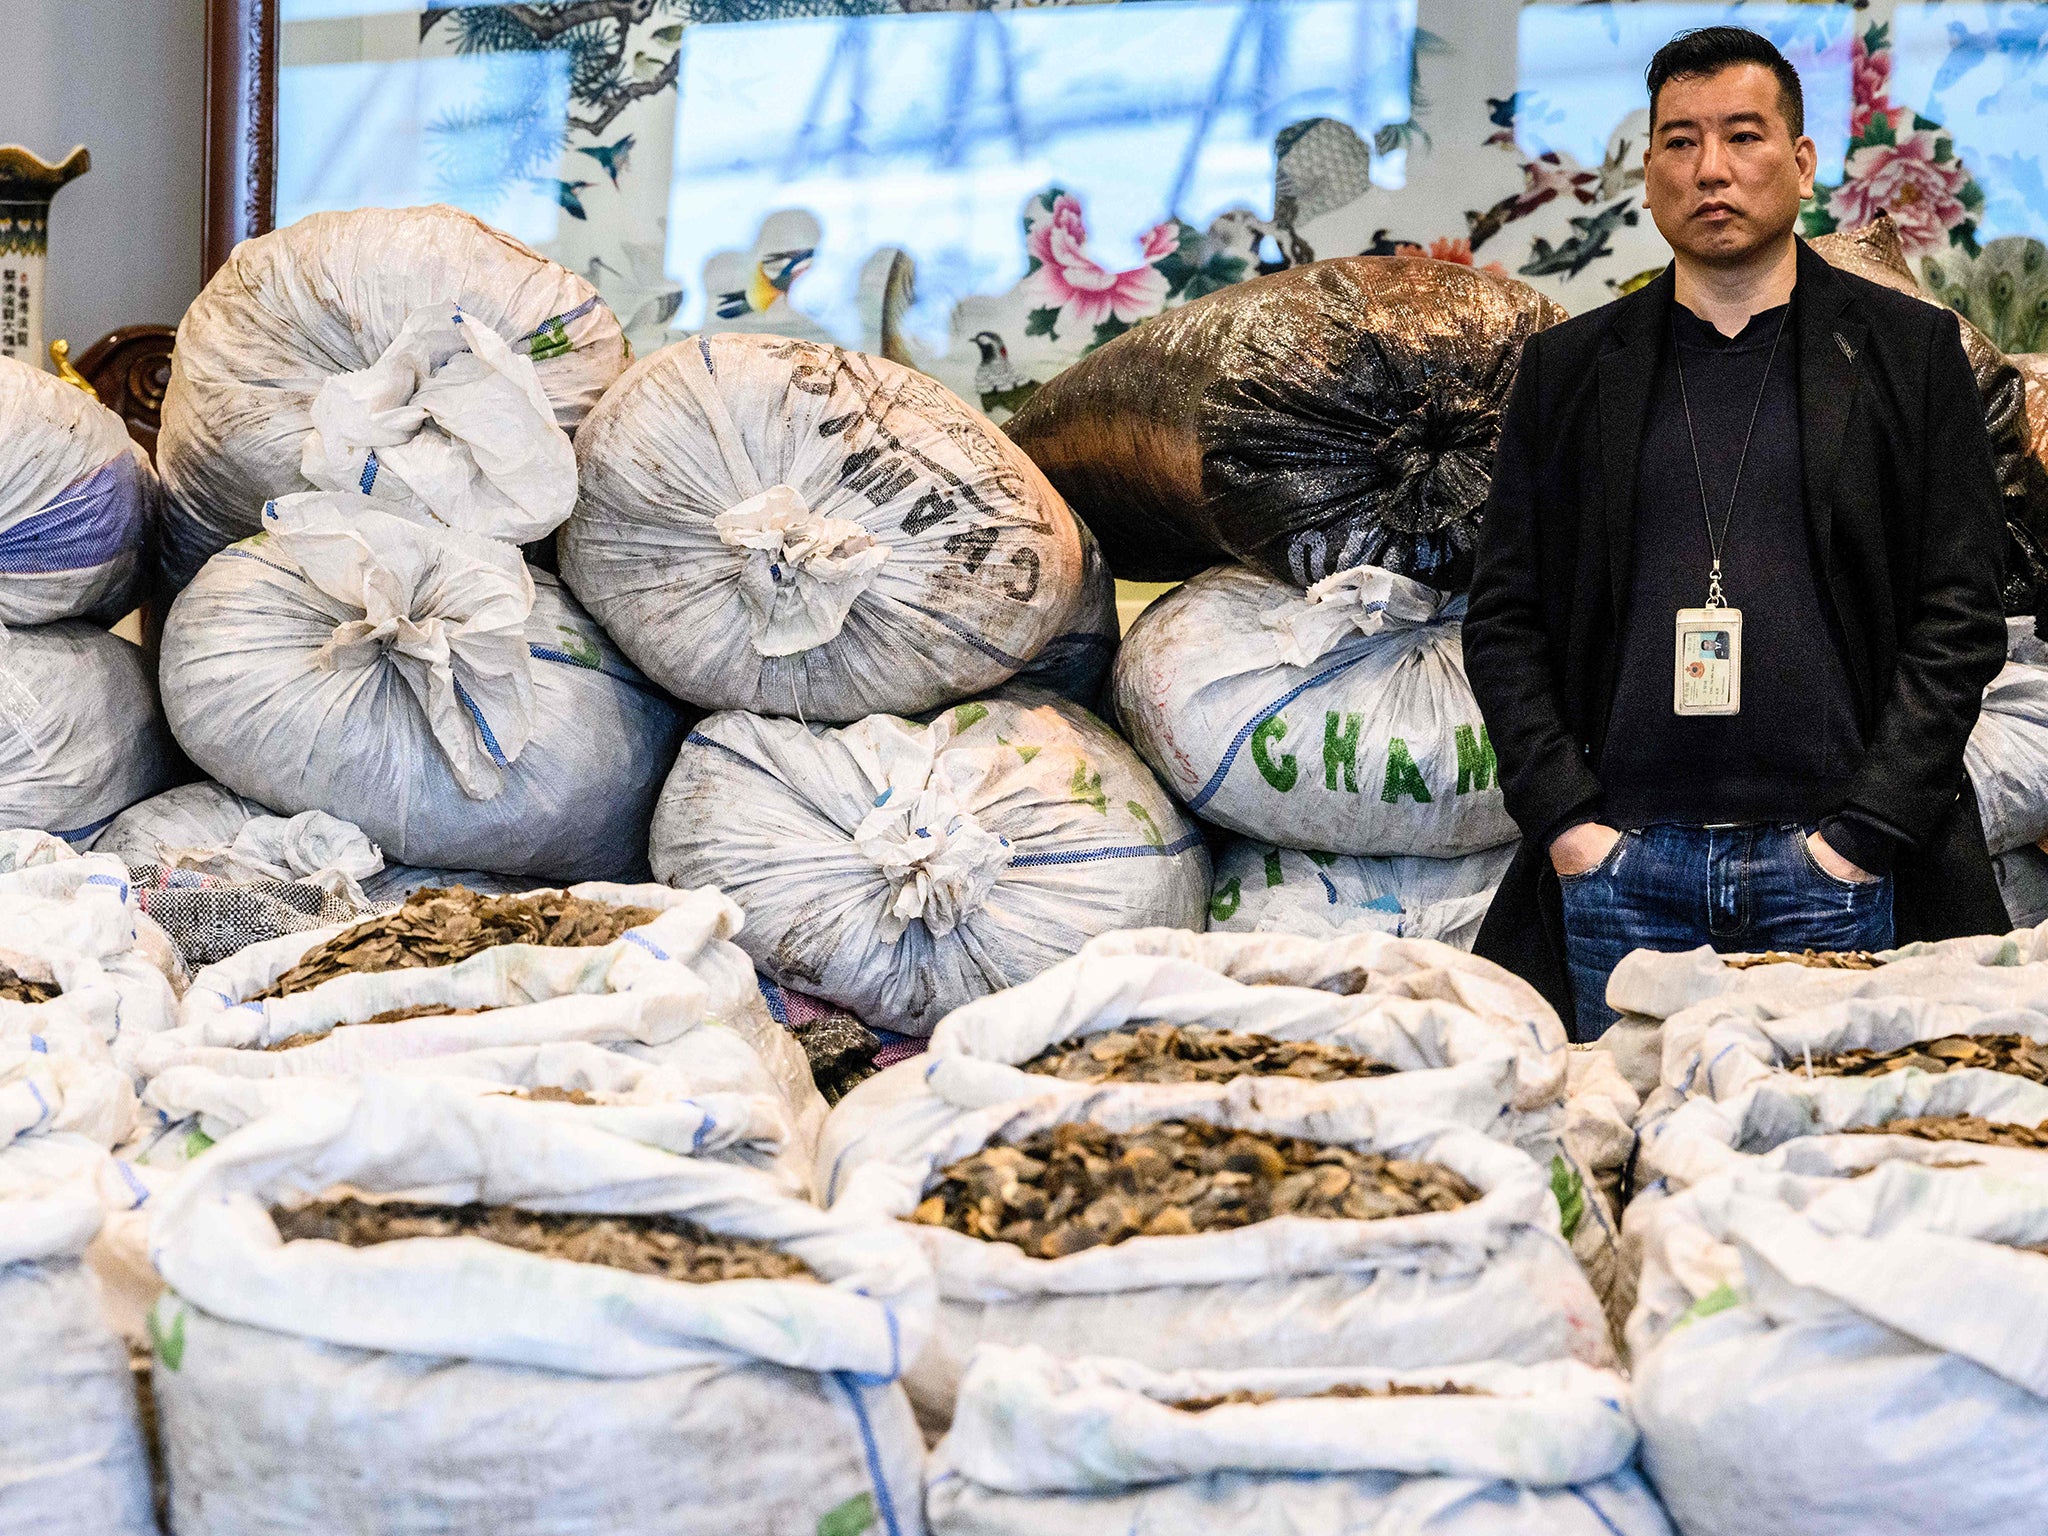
198, 815
901, 870
210, 830
1340, 720
329, 356
1096, 1447
391, 885
1474, 1044
1679, 1261
72, 1461
661, 1106
45, 1091
1759, 1111
1263, 889
1075, 662
1717, 1049
1779, 1125
2007, 754
77, 497
109, 990
2023, 884
1492, 1280
775, 525
674, 991
82, 736
1988, 970
41, 864
29, 859
424, 685
454, 1385
1873, 1365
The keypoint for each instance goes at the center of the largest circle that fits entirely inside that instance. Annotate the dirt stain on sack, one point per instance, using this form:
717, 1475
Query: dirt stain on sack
1245, 1396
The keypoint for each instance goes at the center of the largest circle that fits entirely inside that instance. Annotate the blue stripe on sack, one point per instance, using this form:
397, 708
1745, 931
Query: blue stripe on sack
80, 834
141, 1189
369, 472
885, 1506
772, 994
705, 1127
42, 1104
119, 885
1015, 663
564, 659
282, 570
1598, 1513
38, 1045
483, 726
567, 317
91, 521
1244, 734
634, 936
1094, 855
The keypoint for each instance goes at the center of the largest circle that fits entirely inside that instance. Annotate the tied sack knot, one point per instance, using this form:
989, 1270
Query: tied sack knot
1365, 600
449, 426
447, 613
939, 860
802, 572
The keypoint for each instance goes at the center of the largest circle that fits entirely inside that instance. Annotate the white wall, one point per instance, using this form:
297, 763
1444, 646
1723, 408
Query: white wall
125, 78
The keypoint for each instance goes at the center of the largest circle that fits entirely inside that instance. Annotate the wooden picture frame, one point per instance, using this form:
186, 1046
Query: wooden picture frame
241, 124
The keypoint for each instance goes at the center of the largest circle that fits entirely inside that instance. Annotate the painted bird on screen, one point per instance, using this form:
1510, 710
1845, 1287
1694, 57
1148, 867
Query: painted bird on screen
770, 280
565, 193
613, 157
995, 376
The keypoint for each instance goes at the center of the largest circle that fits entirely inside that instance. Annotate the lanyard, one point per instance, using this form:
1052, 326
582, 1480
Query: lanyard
1714, 540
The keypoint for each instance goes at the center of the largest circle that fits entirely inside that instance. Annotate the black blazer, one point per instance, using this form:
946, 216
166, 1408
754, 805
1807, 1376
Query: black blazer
1904, 517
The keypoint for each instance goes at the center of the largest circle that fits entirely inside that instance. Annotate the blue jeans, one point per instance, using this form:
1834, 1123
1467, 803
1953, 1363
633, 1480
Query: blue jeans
1675, 888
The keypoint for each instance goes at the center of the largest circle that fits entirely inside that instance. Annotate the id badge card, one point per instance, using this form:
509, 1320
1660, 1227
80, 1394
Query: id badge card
1707, 676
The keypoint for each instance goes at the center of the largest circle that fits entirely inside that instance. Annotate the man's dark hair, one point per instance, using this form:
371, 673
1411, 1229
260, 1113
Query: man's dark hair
1709, 50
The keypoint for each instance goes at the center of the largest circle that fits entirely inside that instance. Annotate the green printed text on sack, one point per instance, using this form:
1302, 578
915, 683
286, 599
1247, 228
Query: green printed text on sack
1345, 769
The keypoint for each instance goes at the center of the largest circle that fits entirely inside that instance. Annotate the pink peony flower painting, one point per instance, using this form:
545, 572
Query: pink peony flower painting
1087, 293
1898, 164
1905, 180
1871, 91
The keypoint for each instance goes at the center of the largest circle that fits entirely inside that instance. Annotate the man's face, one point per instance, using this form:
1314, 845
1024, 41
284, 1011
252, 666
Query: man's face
1723, 175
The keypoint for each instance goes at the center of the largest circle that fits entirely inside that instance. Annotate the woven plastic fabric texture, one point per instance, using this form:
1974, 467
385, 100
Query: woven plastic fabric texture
209, 919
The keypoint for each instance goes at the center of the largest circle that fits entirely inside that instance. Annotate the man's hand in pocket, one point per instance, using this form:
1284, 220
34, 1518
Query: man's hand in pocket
1581, 848
1835, 864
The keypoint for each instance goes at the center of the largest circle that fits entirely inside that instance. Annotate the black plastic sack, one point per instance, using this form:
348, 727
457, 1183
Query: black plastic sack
1338, 414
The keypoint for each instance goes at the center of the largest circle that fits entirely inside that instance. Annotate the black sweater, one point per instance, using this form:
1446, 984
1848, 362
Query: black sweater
1791, 752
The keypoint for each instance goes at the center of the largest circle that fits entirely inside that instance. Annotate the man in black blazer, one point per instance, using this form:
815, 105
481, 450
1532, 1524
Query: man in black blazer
1737, 589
